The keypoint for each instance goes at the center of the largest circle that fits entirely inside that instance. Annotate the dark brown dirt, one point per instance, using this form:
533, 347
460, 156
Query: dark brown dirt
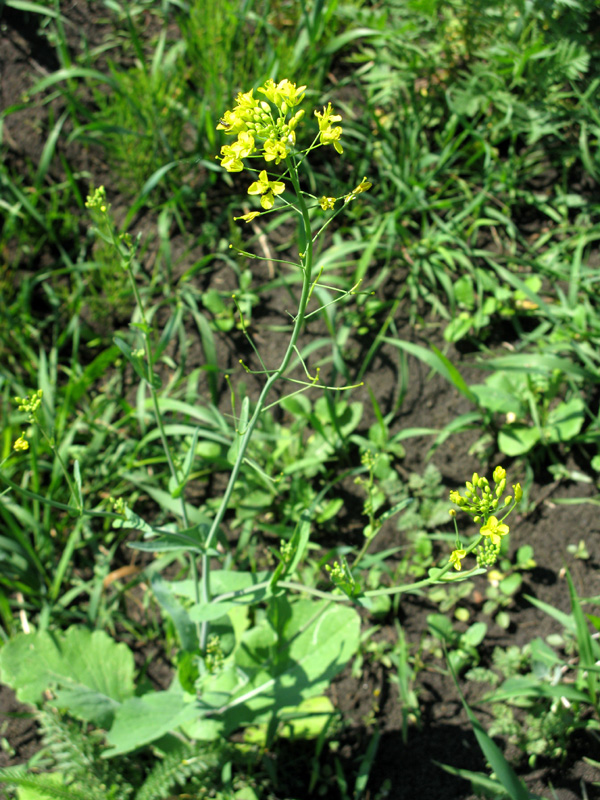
370, 703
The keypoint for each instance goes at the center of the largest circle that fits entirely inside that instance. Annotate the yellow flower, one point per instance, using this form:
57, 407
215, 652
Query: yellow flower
249, 217
233, 153
246, 100
329, 134
363, 186
232, 122
494, 529
229, 161
21, 444
267, 189
275, 151
327, 203
455, 558
283, 92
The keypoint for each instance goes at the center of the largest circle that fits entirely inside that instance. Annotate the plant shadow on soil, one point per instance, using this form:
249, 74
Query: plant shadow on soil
445, 735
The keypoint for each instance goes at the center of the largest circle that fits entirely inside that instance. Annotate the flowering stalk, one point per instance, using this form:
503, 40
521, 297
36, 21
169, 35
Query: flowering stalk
30, 404
484, 505
126, 249
267, 124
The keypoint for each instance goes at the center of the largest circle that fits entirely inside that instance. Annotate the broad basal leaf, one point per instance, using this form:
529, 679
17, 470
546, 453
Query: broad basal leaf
289, 657
141, 720
89, 673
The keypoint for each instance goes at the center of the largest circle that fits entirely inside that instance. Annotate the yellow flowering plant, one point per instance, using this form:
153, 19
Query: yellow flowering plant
265, 124
264, 133
31, 405
266, 130
489, 509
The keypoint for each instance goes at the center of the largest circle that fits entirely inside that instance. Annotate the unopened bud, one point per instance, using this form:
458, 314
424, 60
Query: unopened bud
499, 474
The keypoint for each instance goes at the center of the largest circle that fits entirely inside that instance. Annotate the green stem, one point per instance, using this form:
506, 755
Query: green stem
54, 504
306, 264
343, 598
158, 415
54, 447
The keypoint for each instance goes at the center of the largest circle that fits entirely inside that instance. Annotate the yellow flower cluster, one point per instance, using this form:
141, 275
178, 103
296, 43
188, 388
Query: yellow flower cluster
483, 503
97, 200
327, 133
30, 403
253, 120
270, 125
21, 444
327, 203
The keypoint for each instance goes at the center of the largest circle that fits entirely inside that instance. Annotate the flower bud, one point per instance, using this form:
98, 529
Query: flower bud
518, 492
452, 512
507, 500
265, 106
499, 474
296, 119
475, 479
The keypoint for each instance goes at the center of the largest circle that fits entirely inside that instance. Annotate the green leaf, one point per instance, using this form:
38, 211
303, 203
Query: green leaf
542, 653
305, 721
585, 643
525, 686
480, 782
77, 480
34, 8
475, 634
458, 327
211, 611
135, 360
516, 439
511, 584
222, 581
441, 627
464, 292
513, 786
46, 786
186, 630
282, 661
438, 362
566, 620
90, 672
565, 421
496, 400
141, 720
